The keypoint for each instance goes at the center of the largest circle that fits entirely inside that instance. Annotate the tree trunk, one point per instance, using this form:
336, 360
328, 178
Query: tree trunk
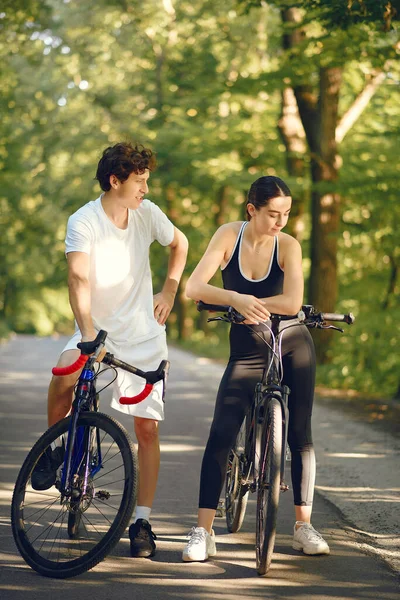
323, 129
201, 321
394, 271
9, 299
292, 134
323, 284
292, 131
222, 204
181, 302
319, 116
184, 321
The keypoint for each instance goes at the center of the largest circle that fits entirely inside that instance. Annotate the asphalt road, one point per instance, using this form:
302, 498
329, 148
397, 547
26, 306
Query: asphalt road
354, 569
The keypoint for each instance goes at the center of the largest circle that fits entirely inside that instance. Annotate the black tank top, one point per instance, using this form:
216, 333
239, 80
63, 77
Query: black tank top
233, 278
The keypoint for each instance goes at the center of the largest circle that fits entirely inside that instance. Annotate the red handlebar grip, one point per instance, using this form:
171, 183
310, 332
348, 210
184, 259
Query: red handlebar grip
72, 368
136, 399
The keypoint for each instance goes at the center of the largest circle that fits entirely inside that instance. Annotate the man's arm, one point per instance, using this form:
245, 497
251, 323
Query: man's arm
79, 293
164, 301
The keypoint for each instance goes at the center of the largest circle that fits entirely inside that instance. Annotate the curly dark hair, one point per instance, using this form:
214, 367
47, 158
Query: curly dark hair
121, 160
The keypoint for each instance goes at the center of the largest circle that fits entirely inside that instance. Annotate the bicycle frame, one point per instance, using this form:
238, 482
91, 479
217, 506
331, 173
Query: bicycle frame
269, 387
85, 399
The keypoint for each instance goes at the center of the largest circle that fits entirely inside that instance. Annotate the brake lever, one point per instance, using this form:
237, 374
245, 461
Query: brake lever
331, 327
218, 319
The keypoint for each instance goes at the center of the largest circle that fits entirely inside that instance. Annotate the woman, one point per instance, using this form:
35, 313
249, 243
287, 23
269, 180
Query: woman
262, 274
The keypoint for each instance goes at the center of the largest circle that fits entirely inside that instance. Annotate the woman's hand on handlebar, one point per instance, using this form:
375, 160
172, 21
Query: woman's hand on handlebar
250, 307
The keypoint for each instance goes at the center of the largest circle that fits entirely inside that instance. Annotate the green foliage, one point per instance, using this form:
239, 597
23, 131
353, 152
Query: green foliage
343, 14
366, 357
201, 83
340, 14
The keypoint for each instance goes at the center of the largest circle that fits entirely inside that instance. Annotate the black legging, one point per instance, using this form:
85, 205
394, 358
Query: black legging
245, 368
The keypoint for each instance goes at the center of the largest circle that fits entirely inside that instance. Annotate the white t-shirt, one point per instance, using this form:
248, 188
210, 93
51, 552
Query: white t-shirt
120, 276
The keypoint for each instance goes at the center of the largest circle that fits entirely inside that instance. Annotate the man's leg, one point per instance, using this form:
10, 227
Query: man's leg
58, 406
140, 533
146, 431
61, 389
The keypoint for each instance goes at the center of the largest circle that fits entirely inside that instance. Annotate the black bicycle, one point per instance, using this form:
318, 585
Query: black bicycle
68, 525
256, 462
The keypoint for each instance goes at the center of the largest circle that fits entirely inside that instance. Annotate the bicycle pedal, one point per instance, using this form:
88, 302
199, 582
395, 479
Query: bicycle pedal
221, 511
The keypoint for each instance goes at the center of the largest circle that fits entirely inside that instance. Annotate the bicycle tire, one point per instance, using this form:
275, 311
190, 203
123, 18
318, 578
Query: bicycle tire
268, 486
236, 491
39, 523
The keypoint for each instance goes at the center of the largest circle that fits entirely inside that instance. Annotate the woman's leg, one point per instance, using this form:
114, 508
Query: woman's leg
233, 400
299, 374
205, 518
234, 397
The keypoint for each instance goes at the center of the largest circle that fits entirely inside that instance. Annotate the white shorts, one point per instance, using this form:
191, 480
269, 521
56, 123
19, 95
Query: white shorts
145, 356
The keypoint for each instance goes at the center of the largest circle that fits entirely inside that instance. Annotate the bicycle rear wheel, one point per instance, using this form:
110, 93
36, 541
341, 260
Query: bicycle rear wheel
236, 489
64, 536
268, 486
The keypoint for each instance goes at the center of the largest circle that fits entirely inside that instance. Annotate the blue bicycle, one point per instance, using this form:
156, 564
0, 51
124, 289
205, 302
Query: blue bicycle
65, 526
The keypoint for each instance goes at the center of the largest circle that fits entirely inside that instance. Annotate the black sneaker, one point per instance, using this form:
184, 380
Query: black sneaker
45, 472
142, 539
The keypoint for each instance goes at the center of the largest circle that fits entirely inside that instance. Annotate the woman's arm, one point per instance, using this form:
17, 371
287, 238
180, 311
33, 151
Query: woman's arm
291, 299
198, 287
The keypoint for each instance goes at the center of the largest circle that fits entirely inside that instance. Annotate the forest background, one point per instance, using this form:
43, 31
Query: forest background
224, 91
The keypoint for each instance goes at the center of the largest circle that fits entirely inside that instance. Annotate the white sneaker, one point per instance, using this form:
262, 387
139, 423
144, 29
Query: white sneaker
308, 540
201, 545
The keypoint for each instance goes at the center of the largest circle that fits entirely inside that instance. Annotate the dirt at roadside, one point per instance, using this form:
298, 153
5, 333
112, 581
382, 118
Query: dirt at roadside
383, 414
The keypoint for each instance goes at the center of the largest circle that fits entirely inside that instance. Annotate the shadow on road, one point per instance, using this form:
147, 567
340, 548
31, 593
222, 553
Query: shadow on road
346, 574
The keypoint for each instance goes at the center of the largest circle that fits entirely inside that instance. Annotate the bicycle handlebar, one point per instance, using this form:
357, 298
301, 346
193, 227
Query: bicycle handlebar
61, 371
349, 318
311, 314
213, 307
232, 314
86, 348
95, 347
307, 314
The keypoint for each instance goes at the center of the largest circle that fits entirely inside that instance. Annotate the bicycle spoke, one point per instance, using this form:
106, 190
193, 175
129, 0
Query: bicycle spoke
96, 479
67, 539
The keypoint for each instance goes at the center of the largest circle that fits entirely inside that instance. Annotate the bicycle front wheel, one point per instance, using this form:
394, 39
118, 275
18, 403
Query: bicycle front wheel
236, 490
268, 486
63, 536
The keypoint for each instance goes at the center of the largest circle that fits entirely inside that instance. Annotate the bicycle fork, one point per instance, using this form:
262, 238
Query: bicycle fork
78, 441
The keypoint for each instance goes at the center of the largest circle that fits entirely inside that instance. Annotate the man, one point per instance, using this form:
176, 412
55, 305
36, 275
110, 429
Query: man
110, 287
